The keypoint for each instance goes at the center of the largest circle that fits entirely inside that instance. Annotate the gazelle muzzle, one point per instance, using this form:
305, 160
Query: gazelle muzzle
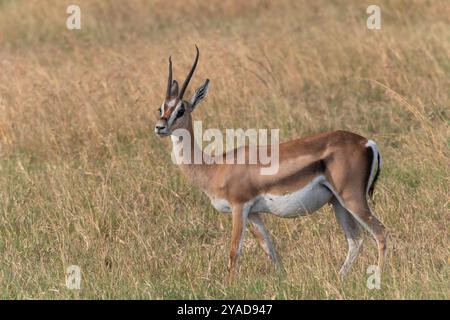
162, 127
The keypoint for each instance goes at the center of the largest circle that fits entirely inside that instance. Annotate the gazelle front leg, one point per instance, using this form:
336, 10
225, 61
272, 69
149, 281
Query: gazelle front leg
239, 215
261, 233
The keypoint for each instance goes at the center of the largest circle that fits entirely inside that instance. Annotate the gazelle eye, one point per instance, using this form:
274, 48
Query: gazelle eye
180, 113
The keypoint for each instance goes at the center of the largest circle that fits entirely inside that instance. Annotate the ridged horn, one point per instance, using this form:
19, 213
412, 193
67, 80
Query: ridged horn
169, 81
189, 76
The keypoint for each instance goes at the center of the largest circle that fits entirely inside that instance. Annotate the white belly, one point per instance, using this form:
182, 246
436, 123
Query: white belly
301, 202
220, 205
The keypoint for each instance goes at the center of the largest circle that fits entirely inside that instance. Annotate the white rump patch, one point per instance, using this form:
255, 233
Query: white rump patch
376, 156
371, 143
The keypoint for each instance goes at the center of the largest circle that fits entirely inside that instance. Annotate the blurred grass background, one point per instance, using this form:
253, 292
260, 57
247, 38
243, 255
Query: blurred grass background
84, 180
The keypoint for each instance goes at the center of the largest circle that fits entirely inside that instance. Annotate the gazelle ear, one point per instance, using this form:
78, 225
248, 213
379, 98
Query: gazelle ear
174, 89
199, 95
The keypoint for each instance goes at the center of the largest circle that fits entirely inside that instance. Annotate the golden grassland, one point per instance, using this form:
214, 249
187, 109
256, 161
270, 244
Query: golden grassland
84, 180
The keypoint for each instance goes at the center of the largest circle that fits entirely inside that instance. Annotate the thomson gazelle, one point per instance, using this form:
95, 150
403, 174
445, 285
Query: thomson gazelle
338, 167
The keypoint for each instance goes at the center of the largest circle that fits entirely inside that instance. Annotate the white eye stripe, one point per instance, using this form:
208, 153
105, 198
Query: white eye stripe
173, 116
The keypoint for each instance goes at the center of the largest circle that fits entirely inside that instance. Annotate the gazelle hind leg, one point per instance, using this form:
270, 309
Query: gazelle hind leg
261, 233
352, 234
360, 210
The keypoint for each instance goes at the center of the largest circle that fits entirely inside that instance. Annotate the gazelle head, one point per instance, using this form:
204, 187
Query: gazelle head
175, 113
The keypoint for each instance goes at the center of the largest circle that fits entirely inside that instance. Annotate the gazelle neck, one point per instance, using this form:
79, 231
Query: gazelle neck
195, 169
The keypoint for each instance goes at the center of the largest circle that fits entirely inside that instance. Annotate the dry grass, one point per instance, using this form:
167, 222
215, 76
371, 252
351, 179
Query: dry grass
83, 179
